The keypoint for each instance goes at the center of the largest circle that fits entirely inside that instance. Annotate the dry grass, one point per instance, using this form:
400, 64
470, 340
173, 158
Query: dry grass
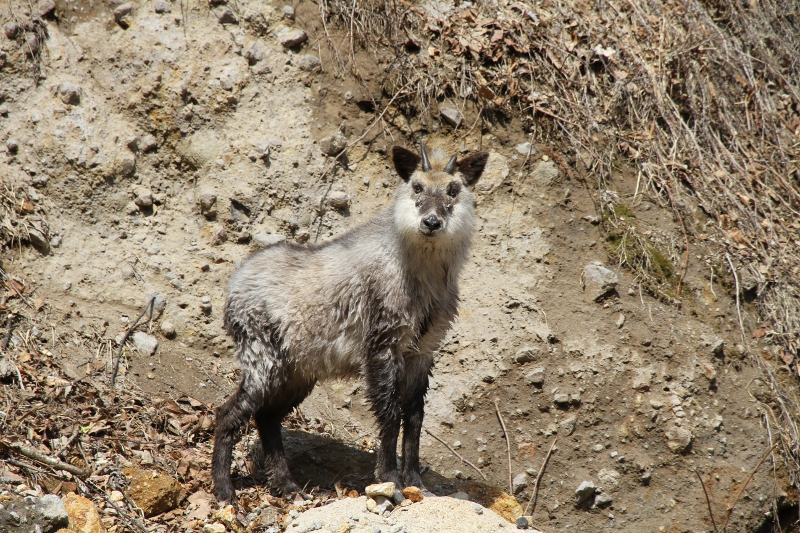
701, 98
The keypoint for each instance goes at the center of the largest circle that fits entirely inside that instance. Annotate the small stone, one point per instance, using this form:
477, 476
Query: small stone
216, 527
288, 12
452, 116
678, 439
145, 343
53, 512
207, 202
264, 241
413, 493
122, 11
83, 514
520, 482
12, 29
147, 143
293, 37
162, 7
308, 62
620, 321
254, 53
12, 145
219, 237
567, 426
31, 44
379, 504
39, 182
144, 198
338, 200
228, 17
380, 489
460, 496
603, 500
46, 7
153, 492
527, 355
70, 93
656, 404
168, 329
526, 149
584, 491
333, 145
598, 281
523, 522
127, 166
643, 378
205, 304
561, 399
159, 304
718, 347
645, 479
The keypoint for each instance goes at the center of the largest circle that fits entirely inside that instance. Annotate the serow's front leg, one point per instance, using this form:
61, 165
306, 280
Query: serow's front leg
416, 386
382, 375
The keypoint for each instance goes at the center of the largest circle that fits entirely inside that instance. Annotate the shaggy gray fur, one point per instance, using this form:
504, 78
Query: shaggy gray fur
375, 302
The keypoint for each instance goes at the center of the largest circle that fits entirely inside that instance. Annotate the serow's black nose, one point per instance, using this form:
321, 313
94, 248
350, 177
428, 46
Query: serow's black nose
432, 222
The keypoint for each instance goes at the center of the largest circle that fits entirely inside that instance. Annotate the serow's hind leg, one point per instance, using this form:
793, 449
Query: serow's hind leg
268, 420
414, 390
382, 376
269, 429
231, 417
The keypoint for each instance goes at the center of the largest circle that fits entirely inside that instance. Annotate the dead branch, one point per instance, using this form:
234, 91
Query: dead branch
478, 470
708, 501
508, 447
744, 486
150, 305
539, 479
30, 453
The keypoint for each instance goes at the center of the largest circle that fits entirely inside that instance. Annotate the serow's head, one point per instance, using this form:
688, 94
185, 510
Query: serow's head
435, 199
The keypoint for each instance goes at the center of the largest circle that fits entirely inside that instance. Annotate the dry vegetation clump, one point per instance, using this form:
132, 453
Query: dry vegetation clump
701, 98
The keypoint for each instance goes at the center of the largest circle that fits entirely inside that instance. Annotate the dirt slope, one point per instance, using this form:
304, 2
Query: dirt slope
193, 143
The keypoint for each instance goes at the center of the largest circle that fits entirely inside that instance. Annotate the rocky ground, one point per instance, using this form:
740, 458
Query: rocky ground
149, 147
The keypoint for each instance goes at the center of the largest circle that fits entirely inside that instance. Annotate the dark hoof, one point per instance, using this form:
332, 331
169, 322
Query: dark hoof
393, 477
413, 479
225, 495
285, 487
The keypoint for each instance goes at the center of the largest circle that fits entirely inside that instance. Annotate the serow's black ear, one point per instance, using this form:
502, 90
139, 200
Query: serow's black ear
472, 167
405, 161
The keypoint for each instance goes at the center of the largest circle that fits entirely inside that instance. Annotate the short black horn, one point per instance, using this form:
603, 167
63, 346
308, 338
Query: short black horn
426, 165
451, 166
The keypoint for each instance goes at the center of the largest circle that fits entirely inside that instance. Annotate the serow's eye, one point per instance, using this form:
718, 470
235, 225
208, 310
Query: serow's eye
453, 191
417, 188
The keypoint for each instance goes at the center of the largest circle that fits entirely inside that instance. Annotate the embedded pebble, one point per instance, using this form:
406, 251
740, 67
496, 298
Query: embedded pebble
161, 6
452, 116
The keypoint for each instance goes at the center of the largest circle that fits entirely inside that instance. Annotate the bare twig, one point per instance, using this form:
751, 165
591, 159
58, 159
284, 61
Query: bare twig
744, 486
708, 501
532, 501
149, 305
738, 307
30, 453
478, 470
76, 433
508, 446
